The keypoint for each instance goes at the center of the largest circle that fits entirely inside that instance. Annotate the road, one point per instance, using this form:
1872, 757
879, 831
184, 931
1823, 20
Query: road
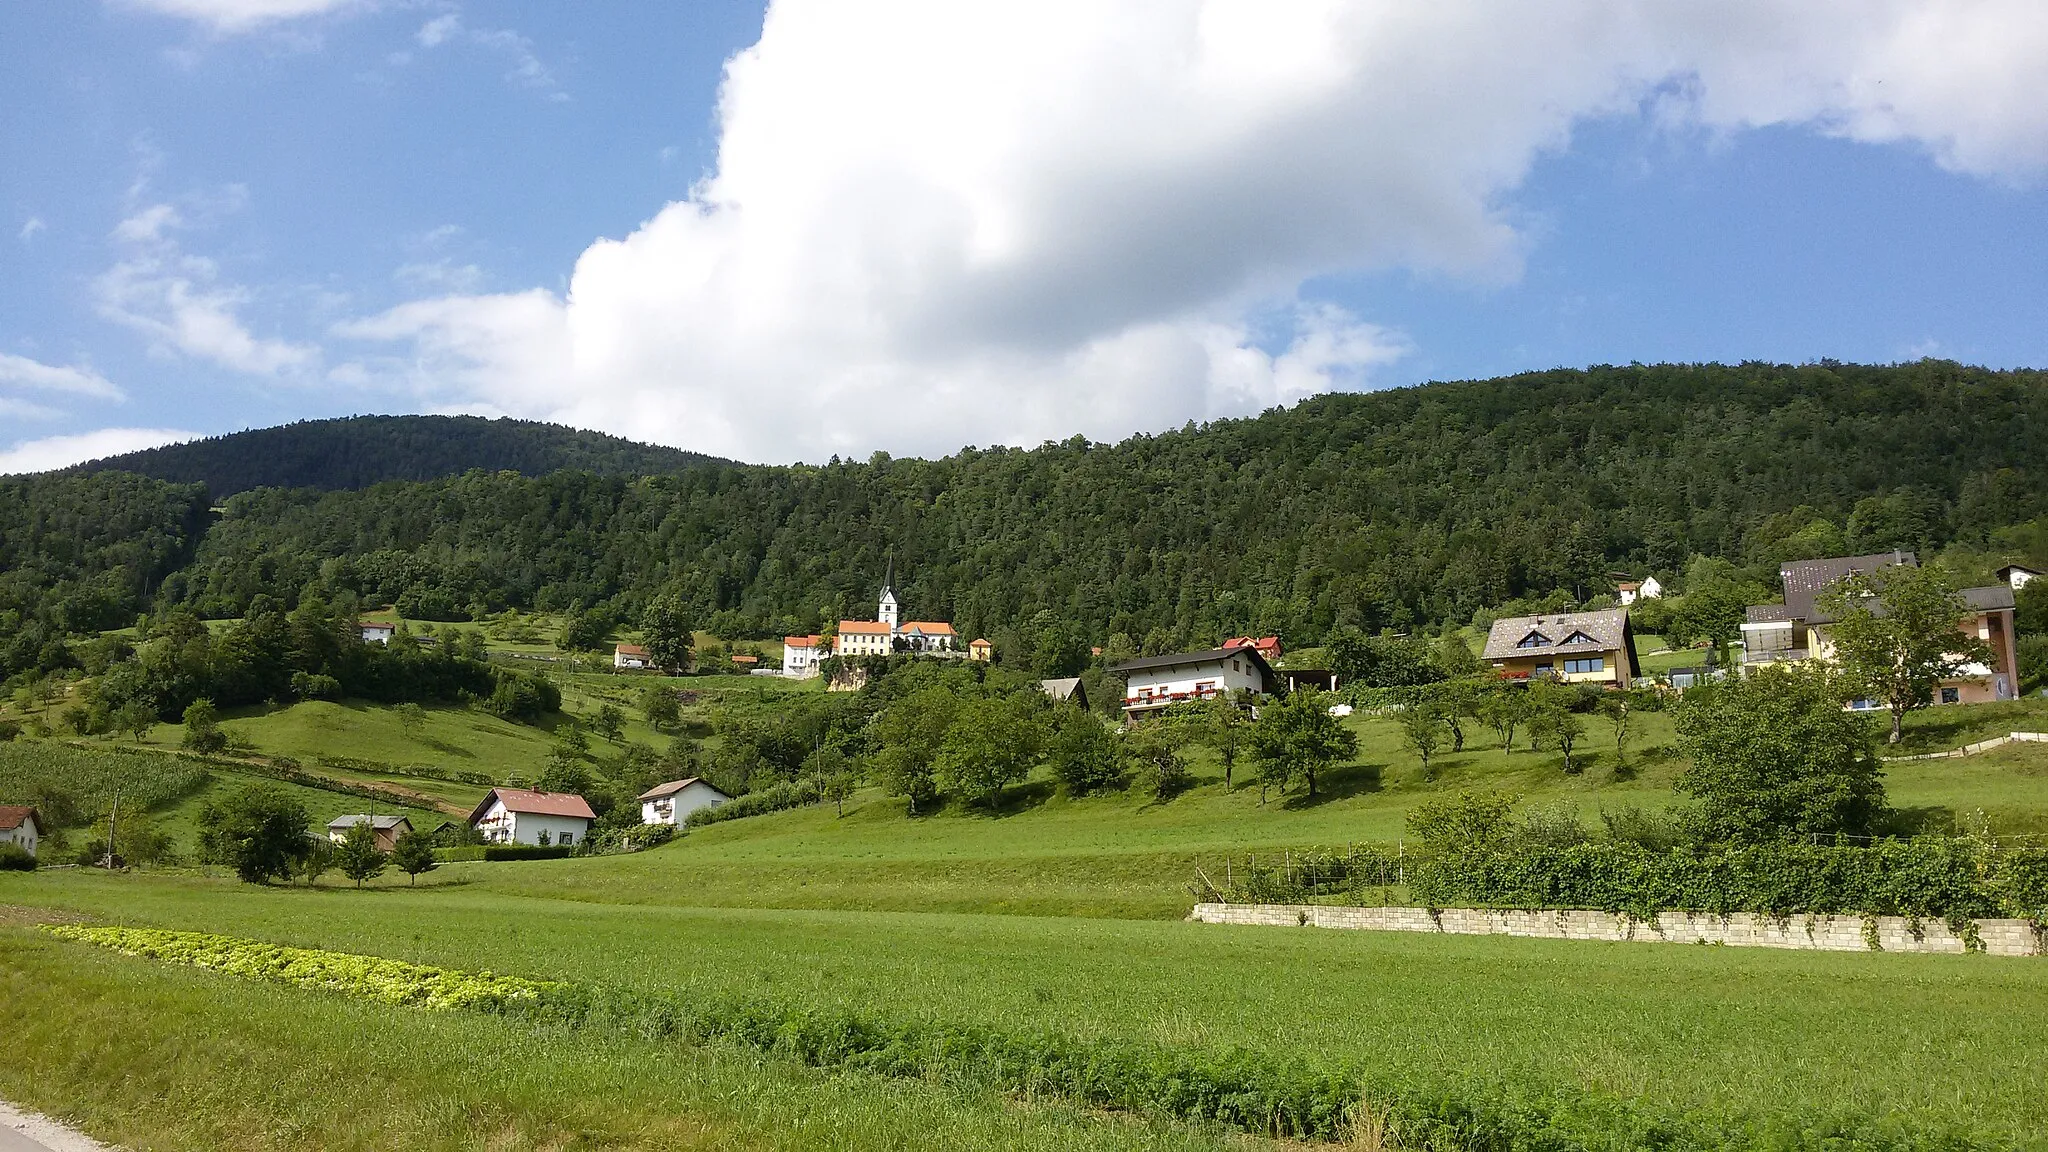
28, 1132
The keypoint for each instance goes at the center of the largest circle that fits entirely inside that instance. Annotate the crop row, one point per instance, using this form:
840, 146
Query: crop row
1246, 1089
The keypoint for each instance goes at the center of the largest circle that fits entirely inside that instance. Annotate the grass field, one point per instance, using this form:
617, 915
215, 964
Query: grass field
1744, 1036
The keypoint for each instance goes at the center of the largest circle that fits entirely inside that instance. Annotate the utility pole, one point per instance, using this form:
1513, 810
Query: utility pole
113, 825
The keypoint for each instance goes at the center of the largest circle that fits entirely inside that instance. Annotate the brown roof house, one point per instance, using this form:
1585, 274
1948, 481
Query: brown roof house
386, 828
20, 826
1575, 647
1798, 628
630, 656
517, 816
672, 803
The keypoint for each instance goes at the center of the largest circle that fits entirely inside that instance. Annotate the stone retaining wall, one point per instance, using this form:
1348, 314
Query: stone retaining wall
1742, 929
1973, 749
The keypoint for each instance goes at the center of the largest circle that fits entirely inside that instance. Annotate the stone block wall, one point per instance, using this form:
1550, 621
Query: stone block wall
1740, 929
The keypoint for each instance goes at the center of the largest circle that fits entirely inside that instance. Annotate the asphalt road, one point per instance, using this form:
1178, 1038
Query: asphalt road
28, 1132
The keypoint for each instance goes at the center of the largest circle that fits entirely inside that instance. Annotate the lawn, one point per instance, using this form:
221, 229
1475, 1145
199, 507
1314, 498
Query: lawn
181, 819
1743, 1037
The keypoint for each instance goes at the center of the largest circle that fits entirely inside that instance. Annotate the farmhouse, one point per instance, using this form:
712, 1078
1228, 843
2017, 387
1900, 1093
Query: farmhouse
1576, 647
672, 803
2016, 575
981, 651
800, 657
387, 829
1268, 646
517, 816
629, 656
1065, 688
1630, 591
1797, 629
1153, 683
378, 633
20, 826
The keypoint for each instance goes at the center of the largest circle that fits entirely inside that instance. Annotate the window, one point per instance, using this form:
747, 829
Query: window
1579, 638
1951, 695
1533, 640
1543, 669
1234, 667
568, 838
1589, 664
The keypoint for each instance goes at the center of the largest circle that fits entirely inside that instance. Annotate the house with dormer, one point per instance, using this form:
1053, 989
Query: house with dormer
1596, 648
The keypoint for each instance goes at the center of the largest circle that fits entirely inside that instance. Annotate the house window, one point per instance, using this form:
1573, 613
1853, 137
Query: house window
568, 838
1234, 667
1579, 638
1589, 664
1543, 669
1951, 695
1533, 640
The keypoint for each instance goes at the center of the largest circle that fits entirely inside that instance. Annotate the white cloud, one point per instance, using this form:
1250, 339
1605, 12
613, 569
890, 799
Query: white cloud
77, 380
29, 228
178, 301
527, 69
935, 222
229, 16
63, 451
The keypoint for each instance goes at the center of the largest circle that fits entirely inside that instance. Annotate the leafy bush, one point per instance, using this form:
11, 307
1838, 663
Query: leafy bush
259, 831
421, 771
15, 858
525, 851
774, 798
628, 838
454, 855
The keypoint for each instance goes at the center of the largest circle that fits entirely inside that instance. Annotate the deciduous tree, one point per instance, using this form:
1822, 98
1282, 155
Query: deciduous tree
1898, 634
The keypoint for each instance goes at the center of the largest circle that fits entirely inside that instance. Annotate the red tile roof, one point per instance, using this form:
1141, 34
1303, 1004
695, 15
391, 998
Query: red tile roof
631, 650
863, 627
799, 641
11, 816
535, 803
936, 628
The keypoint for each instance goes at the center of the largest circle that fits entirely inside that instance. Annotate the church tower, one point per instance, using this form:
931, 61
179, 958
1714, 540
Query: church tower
887, 612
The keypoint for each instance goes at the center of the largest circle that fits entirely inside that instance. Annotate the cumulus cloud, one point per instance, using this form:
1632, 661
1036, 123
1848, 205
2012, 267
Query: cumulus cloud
177, 299
53, 452
20, 371
231, 16
933, 223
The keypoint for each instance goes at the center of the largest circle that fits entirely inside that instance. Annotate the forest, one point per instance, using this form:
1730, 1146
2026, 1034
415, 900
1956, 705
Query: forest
1399, 510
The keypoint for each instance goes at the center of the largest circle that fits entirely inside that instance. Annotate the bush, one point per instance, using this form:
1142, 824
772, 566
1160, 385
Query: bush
525, 851
626, 838
455, 855
774, 798
15, 858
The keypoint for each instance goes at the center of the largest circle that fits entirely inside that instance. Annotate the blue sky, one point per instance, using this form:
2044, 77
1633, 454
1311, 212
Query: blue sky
911, 232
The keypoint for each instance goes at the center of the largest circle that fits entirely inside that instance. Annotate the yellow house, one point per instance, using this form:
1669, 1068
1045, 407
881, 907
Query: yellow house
1575, 647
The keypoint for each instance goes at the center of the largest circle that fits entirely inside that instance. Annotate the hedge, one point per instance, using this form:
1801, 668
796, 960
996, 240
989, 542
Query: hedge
774, 798
458, 855
526, 851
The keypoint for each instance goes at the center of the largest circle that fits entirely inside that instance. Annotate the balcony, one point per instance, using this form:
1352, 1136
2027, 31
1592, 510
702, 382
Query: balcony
1774, 655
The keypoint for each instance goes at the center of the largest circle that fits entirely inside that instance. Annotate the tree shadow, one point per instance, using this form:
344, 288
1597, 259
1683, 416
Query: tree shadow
1922, 820
1340, 783
1020, 798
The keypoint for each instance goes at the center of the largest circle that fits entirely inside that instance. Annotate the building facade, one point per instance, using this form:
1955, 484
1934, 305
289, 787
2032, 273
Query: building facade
517, 816
672, 803
1154, 683
21, 826
1575, 647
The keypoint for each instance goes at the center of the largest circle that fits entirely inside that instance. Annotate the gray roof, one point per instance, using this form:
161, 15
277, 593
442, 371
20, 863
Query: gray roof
675, 786
1060, 687
1807, 579
380, 823
1211, 656
1988, 599
1769, 614
1603, 631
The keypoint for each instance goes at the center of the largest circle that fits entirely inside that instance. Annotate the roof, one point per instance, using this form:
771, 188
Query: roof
980, 644
743, 658
1768, 614
380, 823
1988, 599
1806, 580
799, 641
865, 627
1629, 585
1267, 645
1060, 687
1212, 656
12, 815
534, 803
2006, 572
935, 627
630, 650
675, 786
1603, 631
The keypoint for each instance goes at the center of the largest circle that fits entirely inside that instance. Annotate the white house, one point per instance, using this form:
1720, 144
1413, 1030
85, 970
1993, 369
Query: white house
800, 657
1156, 682
379, 633
20, 826
672, 803
927, 636
629, 656
517, 816
2016, 575
862, 638
1631, 591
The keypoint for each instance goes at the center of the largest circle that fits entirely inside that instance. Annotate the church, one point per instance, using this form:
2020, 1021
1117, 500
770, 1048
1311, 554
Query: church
885, 634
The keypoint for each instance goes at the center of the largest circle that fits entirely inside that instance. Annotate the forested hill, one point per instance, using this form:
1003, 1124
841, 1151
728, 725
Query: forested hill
1389, 509
358, 451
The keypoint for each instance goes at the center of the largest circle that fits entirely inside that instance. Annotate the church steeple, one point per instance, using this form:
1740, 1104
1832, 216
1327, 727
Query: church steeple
886, 612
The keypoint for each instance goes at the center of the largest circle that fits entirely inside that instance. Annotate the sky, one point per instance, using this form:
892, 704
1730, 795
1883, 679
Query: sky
812, 228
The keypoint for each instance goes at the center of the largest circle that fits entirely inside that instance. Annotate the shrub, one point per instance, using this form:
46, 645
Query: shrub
525, 851
260, 832
453, 855
774, 798
15, 858
626, 838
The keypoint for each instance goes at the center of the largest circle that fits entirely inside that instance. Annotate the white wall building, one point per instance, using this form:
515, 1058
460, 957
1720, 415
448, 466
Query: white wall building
2017, 575
631, 656
672, 803
1156, 682
21, 826
378, 633
517, 816
800, 656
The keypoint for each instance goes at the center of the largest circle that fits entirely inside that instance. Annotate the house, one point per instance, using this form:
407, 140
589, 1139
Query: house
800, 657
1575, 647
1630, 591
1798, 628
1065, 688
21, 826
630, 656
517, 816
862, 638
745, 660
1153, 683
981, 651
378, 633
2016, 575
387, 829
926, 636
672, 803
1268, 646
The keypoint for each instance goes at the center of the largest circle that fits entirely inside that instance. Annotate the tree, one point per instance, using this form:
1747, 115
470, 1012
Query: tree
1775, 755
1083, 752
585, 631
669, 631
1462, 823
202, 728
658, 703
414, 854
610, 721
1715, 604
135, 718
564, 772
1503, 709
1455, 658
908, 734
358, 856
1615, 706
1422, 729
259, 831
1227, 726
1551, 720
318, 859
412, 718
992, 743
1155, 746
1298, 737
1898, 634
840, 783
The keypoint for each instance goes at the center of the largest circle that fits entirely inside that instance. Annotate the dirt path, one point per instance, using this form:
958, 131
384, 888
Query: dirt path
30, 1132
